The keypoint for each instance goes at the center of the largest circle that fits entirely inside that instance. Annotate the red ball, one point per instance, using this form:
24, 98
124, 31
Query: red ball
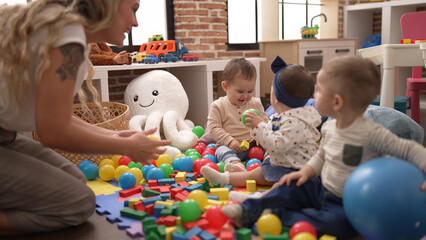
124, 160
253, 166
256, 152
215, 217
201, 163
230, 202
199, 148
208, 152
211, 149
201, 144
300, 227
212, 165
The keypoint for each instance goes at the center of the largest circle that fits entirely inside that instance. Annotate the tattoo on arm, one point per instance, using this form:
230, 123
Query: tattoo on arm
73, 57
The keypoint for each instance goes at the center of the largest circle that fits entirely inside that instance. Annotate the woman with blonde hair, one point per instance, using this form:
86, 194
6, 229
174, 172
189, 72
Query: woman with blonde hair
43, 63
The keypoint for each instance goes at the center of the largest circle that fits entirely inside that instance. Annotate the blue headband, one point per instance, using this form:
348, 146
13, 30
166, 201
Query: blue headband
281, 93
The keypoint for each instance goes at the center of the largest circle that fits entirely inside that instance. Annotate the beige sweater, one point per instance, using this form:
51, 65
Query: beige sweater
224, 121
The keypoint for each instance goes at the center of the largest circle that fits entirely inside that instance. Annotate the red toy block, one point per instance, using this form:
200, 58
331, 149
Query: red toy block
165, 189
152, 182
195, 238
160, 221
213, 231
139, 206
172, 175
201, 223
226, 235
175, 191
183, 184
149, 209
131, 191
170, 221
180, 197
186, 193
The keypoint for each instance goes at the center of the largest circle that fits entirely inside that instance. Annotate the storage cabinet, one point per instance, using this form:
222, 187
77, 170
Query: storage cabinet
358, 19
311, 53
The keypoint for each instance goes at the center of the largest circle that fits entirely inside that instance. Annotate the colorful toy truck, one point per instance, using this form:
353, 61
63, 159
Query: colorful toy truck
161, 48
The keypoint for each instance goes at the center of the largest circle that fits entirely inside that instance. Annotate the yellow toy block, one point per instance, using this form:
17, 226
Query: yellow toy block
214, 202
201, 180
179, 221
169, 231
251, 185
327, 237
245, 145
132, 201
222, 193
180, 177
167, 204
192, 183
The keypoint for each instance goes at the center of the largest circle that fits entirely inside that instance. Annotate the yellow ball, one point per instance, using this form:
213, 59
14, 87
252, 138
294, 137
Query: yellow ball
269, 223
162, 159
106, 172
138, 174
199, 196
115, 159
120, 170
179, 155
106, 161
304, 236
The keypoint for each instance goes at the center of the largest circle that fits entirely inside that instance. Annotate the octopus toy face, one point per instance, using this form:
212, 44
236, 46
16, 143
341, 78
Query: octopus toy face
156, 91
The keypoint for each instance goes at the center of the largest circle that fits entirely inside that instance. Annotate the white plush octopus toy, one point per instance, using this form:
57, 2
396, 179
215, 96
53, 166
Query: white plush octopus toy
157, 99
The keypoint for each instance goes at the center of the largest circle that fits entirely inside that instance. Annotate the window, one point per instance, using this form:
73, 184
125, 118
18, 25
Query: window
244, 27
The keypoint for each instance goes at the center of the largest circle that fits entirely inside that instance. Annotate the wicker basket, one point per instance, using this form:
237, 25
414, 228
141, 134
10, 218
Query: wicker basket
114, 116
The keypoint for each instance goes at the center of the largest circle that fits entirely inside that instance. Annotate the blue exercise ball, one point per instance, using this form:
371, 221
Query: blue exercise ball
383, 200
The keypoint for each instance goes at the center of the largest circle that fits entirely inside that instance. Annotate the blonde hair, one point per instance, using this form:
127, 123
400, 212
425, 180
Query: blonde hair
20, 22
356, 79
239, 66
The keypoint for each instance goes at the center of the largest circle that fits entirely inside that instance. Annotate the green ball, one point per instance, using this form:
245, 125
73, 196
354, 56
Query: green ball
193, 157
221, 166
199, 131
196, 154
189, 151
243, 117
133, 164
167, 169
189, 210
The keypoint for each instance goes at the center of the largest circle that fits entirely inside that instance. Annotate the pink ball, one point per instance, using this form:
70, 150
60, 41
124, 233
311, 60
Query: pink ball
215, 217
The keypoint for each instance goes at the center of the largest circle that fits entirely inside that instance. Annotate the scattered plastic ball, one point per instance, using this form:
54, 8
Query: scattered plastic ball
383, 200
106, 172
155, 173
199, 196
200, 149
175, 164
162, 159
189, 210
189, 151
138, 174
212, 165
211, 157
302, 227
136, 165
196, 154
253, 166
203, 145
304, 236
127, 180
145, 170
199, 131
269, 223
253, 160
179, 155
90, 171
212, 145
185, 164
124, 160
243, 117
167, 169
120, 170
115, 159
221, 166
193, 157
215, 217
256, 152
84, 163
106, 161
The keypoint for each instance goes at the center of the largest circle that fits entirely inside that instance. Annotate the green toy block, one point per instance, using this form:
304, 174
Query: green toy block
166, 212
180, 229
149, 193
146, 223
244, 234
152, 236
206, 186
150, 228
132, 213
162, 231
283, 236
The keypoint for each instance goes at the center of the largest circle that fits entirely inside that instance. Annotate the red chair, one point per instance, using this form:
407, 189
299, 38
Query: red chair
413, 26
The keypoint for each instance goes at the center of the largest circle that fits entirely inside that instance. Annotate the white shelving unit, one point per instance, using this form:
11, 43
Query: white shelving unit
358, 19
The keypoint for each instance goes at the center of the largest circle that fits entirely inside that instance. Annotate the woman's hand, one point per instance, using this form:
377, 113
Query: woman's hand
252, 119
123, 58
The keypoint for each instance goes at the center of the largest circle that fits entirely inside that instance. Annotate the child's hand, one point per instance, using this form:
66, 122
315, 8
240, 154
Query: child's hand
235, 145
252, 119
301, 176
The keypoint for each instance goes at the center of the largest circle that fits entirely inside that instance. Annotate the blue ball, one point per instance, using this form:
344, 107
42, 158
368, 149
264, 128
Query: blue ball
127, 180
91, 171
211, 157
383, 200
175, 163
155, 173
253, 160
84, 163
211, 145
185, 164
145, 170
